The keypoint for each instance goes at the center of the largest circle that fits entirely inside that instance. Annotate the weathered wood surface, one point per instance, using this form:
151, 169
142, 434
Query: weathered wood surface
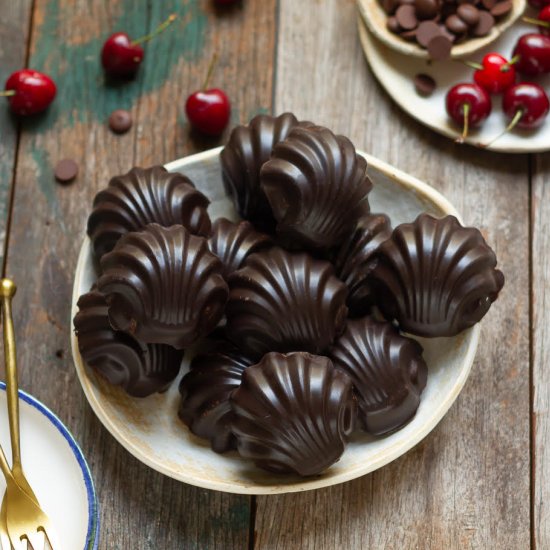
467, 484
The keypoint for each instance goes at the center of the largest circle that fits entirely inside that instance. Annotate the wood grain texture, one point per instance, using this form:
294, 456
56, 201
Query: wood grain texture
467, 484
541, 351
14, 29
139, 508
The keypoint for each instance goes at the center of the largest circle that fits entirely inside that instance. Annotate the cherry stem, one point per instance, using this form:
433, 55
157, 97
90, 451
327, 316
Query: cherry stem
7, 93
506, 67
213, 62
473, 65
158, 30
465, 127
539, 22
516, 118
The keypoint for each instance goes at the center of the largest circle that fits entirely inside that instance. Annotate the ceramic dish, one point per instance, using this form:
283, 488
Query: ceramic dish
375, 18
396, 72
56, 470
151, 430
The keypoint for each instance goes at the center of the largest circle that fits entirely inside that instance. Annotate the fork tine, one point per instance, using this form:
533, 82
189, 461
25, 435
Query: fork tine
37, 540
51, 537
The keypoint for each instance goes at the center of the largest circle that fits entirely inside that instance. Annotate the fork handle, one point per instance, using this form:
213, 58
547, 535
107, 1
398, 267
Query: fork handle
7, 291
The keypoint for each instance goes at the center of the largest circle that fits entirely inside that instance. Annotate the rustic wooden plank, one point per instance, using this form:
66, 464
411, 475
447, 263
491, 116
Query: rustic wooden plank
540, 247
467, 484
139, 508
14, 30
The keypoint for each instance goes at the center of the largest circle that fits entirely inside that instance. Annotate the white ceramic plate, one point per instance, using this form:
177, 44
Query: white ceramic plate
56, 470
150, 429
396, 72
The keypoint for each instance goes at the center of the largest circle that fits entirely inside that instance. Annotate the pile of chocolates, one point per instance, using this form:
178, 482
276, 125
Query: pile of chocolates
297, 310
438, 24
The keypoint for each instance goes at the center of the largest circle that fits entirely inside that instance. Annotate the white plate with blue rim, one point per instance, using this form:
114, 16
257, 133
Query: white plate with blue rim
57, 471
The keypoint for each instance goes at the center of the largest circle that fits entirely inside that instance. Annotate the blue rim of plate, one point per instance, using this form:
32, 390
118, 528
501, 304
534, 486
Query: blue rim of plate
92, 539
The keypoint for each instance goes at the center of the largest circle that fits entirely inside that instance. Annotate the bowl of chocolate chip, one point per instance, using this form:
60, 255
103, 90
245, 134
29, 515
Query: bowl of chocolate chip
439, 29
281, 314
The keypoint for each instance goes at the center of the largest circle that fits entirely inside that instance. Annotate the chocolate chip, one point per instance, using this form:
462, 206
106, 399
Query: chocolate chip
439, 48
469, 14
426, 31
484, 25
393, 25
120, 121
389, 6
66, 170
501, 8
409, 36
426, 9
488, 4
455, 24
424, 84
406, 17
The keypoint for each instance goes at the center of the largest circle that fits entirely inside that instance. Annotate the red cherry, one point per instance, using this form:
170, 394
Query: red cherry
537, 4
208, 111
496, 75
29, 92
533, 51
468, 105
542, 20
121, 56
527, 102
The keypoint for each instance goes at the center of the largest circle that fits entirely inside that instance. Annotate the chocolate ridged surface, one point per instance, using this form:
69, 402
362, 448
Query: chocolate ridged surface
143, 196
387, 370
354, 260
293, 413
205, 392
317, 187
436, 277
283, 301
140, 369
233, 242
249, 147
163, 285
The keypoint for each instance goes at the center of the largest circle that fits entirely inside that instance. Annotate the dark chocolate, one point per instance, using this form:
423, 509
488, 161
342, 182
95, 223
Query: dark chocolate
435, 277
205, 392
293, 413
144, 196
317, 187
140, 369
283, 301
249, 147
354, 260
233, 242
163, 285
387, 370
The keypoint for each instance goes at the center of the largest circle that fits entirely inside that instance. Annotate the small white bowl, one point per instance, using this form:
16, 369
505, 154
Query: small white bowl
151, 430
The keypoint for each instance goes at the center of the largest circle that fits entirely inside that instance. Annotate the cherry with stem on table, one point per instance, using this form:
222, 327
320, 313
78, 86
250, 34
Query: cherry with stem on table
29, 92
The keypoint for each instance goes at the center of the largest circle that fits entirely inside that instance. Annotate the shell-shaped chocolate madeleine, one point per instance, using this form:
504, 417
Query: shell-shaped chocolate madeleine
317, 187
205, 392
293, 413
163, 285
354, 260
233, 242
249, 147
140, 369
283, 301
436, 277
143, 196
387, 370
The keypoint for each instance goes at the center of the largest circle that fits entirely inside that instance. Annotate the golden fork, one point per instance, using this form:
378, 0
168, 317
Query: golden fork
15, 478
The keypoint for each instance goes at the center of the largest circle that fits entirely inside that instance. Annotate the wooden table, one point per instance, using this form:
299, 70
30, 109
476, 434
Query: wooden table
481, 479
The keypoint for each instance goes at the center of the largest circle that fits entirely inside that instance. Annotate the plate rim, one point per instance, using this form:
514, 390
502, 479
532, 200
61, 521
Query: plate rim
92, 535
398, 449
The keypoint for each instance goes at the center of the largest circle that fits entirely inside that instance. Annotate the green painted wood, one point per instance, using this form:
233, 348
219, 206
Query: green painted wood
139, 508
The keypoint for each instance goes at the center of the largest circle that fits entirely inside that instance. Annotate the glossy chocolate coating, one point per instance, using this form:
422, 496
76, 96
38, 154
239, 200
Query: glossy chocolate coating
140, 369
284, 301
144, 196
354, 260
317, 187
163, 285
436, 277
249, 147
387, 370
233, 242
293, 413
205, 392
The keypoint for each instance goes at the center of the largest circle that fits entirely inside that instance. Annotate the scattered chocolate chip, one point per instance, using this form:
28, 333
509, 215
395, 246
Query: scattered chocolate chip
406, 17
501, 8
426, 31
426, 9
439, 48
120, 121
424, 84
455, 24
66, 171
485, 24
469, 14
